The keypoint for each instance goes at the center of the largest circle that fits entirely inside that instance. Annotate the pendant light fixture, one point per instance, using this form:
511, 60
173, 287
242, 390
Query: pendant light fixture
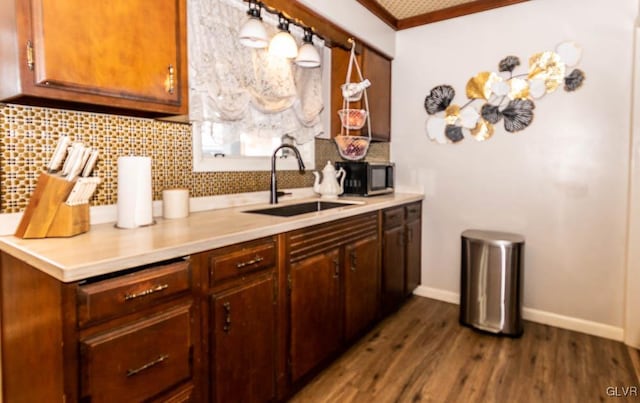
308, 55
283, 44
253, 33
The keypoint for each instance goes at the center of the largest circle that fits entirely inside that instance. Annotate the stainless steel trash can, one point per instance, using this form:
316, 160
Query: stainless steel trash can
491, 281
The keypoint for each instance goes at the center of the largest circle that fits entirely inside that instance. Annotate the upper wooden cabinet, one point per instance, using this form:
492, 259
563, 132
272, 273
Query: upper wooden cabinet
122, 54
376, 68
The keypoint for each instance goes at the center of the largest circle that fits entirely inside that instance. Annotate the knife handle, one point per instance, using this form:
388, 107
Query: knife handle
91, 163
58, 154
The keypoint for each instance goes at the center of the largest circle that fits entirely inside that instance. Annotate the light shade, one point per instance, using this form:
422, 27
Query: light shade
308, 56
283, 45
253, 34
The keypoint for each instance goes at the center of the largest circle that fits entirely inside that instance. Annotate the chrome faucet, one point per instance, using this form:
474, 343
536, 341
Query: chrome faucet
273, 198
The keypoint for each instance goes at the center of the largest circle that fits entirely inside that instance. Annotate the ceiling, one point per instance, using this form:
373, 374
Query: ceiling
402, 14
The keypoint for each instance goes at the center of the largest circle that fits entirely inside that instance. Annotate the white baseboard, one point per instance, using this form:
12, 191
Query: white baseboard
436, 293
535, 315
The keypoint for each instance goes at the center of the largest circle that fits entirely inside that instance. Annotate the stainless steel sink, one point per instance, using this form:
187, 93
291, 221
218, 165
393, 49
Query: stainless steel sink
290, 210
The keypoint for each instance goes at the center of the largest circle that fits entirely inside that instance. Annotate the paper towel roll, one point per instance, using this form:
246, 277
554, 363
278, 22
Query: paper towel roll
175, 203
135, 200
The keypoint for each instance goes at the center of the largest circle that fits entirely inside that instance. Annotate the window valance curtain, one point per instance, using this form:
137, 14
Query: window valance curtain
245, 87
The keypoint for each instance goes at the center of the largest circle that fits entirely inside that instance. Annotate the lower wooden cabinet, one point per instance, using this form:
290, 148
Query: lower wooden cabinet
240, 300
332, 272
393, 264
361, 285
401, 250
136, 335
123, 337
243, 341
315, 311
413, 247
250, 322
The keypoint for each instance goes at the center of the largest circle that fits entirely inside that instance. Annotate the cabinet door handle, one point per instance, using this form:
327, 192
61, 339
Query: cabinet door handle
410, 235
354, 260
255, 260
135, 371
152, 290
30, 55
336, 268
227, 317
169, 84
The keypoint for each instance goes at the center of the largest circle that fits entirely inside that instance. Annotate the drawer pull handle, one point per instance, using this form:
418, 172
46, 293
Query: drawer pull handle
155, 289
227, 317
255, 260
132, 372
336, 269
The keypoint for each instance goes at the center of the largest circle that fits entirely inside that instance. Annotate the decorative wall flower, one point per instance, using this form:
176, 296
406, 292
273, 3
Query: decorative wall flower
574, 80
518, 115
480, 86
454, 133
547, 66
508, 64
439, 98
491, 113
506, 96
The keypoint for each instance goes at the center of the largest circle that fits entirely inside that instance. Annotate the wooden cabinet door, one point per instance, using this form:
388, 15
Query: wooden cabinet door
243, 344
121, 53
361, 285
393, 269
377, 68
413, 249
315, 311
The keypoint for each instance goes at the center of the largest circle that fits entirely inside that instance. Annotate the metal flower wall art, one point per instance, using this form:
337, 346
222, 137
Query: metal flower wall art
506, 97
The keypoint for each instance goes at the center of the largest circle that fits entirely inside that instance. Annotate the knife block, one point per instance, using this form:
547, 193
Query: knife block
47, 215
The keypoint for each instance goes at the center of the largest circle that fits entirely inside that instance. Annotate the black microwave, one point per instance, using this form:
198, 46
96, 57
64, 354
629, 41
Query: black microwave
367, 178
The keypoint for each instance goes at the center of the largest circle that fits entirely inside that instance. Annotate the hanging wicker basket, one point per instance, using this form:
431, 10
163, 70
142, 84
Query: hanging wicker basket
353, 119
351, 92
353, 147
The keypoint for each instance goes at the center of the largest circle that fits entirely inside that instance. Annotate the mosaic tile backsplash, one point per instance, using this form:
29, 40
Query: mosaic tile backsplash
28, 136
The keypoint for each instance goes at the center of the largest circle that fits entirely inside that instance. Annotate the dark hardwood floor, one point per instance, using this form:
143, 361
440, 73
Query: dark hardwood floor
422, 354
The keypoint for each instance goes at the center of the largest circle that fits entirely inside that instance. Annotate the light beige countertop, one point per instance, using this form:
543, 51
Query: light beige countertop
106, 249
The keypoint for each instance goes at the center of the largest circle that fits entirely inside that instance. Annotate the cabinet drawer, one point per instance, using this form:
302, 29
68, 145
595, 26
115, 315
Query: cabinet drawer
393, 217
128, 293
137, 361
240, 262
414, 211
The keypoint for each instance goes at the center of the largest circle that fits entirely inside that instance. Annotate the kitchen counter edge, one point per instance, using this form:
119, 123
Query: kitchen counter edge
106, 249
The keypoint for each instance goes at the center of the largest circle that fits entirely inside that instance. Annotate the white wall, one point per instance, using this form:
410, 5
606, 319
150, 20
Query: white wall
562, 182
356, 19
632, 312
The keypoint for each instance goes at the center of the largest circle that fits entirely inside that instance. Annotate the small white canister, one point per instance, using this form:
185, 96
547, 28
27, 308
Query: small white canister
175, 203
